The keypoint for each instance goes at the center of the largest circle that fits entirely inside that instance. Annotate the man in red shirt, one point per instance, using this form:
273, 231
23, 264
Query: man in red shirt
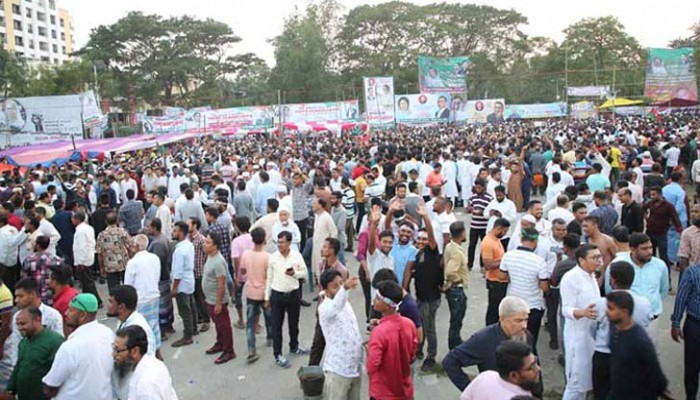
63, 292
434, 179
392, 347
12, 219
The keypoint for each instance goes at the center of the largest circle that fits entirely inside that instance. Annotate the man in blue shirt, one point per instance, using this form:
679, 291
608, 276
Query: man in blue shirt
688, 303
267, 190
402, 252
650, 276
675, 194
182, 276
596, 180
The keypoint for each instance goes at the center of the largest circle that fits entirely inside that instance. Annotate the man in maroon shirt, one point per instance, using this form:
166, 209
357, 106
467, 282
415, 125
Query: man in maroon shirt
659, 215
392, 347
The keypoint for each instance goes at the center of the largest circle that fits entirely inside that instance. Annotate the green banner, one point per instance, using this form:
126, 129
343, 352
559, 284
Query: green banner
671, 75
440, 75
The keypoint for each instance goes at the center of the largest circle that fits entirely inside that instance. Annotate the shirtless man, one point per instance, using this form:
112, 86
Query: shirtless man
603, 242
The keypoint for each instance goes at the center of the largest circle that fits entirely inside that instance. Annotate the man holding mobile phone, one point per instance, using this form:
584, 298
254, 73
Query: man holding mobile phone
282, 295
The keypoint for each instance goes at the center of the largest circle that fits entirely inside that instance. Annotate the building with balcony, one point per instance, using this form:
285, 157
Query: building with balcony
36, 30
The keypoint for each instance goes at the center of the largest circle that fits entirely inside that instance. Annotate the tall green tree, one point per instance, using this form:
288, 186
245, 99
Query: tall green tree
601, 52
164, 60
303, 58
12, 73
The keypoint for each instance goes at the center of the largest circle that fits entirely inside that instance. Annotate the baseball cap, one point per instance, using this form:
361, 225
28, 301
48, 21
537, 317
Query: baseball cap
84, 302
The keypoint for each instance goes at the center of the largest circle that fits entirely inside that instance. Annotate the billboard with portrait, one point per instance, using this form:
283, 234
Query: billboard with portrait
443, 75
423, 109
528, 111
230, 120
379, 100
491, 111
34, 120
318, 112
671, 75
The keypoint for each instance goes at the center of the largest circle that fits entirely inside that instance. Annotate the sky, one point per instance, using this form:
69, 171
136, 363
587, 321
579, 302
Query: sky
653, 24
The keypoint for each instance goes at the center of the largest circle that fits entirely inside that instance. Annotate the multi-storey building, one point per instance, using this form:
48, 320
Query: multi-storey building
36, 30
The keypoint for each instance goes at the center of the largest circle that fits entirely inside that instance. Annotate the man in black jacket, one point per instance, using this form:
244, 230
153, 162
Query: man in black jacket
632, 215
480, 349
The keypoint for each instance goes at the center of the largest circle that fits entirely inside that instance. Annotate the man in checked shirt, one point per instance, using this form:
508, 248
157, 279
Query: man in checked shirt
200, 257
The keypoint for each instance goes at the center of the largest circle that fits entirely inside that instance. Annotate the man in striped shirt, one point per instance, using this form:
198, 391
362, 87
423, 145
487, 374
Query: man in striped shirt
200, 257
348, 202
476, 205
529, 277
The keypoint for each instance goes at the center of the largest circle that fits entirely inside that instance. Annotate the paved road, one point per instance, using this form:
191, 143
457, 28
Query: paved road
196, 377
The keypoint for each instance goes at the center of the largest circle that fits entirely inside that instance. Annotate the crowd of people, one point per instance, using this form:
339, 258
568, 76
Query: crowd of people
574, 225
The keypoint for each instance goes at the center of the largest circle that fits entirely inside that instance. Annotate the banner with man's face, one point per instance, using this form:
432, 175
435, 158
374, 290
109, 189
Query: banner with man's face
423, 109
491, 111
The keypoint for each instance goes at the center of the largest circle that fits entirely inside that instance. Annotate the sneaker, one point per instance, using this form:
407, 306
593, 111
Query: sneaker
299, 351
252, 358
282, 362
428, 364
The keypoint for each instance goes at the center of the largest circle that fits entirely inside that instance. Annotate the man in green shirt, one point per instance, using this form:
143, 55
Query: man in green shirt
34, 357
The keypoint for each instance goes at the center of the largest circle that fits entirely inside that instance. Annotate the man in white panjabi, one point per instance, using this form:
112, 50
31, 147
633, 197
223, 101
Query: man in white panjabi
323, 229
449, 174
579, 293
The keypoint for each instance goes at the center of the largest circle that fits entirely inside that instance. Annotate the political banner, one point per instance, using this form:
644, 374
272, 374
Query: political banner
318, 112
443, 75
587, 91
527, 111
34, 120
583, 110
671, 75
379, 100
422, 109
206, 120
230, 120
489, 111
163, 125
92, 115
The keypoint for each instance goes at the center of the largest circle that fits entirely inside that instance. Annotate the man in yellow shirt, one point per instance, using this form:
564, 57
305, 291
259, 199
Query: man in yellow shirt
456, 281
360, 186
614, 155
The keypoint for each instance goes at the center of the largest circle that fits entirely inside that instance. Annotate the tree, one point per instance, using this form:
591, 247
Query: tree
302, 58
163, 60
12, 73
387, 39
600, 52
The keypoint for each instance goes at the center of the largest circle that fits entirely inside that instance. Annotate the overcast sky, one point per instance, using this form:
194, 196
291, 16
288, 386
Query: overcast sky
654, 24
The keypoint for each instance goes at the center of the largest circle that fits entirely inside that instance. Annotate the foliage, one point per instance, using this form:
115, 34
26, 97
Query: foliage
164, 60
12, 73
324, 51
